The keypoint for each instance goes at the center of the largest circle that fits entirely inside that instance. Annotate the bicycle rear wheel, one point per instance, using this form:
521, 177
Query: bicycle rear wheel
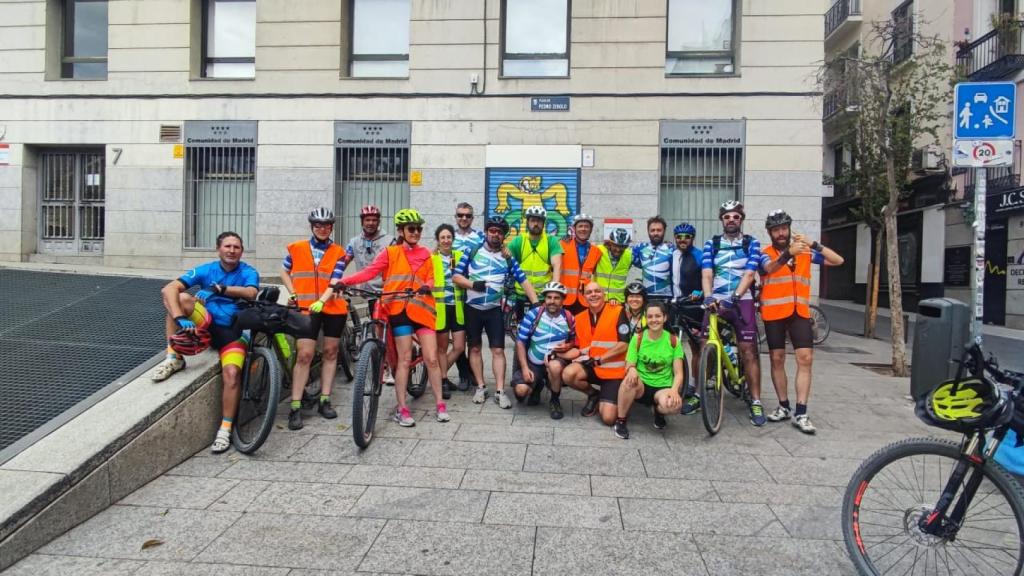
709, 388
366, 389
900, 484
257, 406
819, 324
344, 356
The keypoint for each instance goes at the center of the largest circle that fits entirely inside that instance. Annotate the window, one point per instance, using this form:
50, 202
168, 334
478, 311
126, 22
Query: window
535, 38
84, 54
229, 39
903, 31
701, 37
73, 194
371, 166
380, 38
220, 181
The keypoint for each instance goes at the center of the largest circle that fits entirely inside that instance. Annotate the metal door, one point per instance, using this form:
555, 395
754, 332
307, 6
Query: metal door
72, 186
695, 182
378, 176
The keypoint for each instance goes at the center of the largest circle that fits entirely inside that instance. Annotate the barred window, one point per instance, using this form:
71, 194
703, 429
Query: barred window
220, 181
371, 167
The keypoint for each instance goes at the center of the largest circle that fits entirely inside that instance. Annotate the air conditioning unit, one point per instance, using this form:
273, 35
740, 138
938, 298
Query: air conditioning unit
926, 159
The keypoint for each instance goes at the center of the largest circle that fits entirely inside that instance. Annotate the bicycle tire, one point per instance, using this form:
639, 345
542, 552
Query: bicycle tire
820, 325
349, 345
881, 465
418, 379
709, 390
257, 405
366, 389
344, 360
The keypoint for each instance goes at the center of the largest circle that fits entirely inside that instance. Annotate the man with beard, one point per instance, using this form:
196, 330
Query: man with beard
465, 240
654, 259
544, 344
538, 254
785, 309
363, 250
579, 258
686, 288
727, 273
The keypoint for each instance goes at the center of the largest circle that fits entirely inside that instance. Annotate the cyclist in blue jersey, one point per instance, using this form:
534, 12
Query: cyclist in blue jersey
212, 310
728, 265
686, 287
544, 345
482, 273
654, 259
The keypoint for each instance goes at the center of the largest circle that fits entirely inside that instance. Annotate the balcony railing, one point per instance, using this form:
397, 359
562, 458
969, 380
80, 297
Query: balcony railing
837, 101
839, 13
995, 55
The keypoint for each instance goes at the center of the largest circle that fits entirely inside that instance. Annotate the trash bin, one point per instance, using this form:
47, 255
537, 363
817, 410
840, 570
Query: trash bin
942, 330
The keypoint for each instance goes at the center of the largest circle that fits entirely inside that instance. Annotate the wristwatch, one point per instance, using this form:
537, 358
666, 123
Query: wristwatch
597, 360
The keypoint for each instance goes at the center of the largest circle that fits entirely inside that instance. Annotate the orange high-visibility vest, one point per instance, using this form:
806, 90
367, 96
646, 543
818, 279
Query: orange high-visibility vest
575, 276
399, 276
310, 281
785, 290
596, 340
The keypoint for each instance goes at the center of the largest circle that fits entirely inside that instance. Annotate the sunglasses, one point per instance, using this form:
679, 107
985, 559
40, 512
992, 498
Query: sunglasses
457, 215
413, 228
684, 236
732, 217
322, 225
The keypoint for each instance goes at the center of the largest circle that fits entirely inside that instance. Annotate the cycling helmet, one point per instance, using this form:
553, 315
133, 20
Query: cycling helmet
636, 287
685, 228
964, 405
581, 217
190, 342
620, 237
408, 216
369, 210
777, 218
321, 216
497, 222
731, 206
535, 212
554, 286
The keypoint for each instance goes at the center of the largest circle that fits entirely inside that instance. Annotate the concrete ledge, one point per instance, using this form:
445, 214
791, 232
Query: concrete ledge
104, 454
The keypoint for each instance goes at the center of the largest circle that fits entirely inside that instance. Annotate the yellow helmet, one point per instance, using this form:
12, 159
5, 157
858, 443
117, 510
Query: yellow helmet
408, 216
964, 405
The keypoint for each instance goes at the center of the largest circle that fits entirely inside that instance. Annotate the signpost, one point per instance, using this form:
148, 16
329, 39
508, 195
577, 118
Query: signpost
983, 131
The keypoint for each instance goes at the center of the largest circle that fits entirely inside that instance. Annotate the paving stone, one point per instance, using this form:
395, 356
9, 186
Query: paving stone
306, 498
811, 471
280, 445
120, 531
342, 449
728, 556
731, 440
584, 460
529, 482
699, 517
659, 488
572, 418
180, 492
294, 541
421, 504
583, 552
200, 465
504, 433
49, 565
287, 471
811, 522
502, 418
645, 436
701, 465
414, 476
471, 455
447, 549
771, 493
858, 447
426, 428
238, 498
196, 569
553, 510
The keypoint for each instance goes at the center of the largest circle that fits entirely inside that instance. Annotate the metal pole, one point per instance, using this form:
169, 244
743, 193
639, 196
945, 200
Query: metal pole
979, 252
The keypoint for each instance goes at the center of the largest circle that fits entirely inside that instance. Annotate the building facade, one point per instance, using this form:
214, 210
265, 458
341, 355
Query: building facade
132, 132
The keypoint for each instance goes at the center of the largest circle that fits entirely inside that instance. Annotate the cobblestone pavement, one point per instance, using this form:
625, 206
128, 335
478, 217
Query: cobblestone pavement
512, 492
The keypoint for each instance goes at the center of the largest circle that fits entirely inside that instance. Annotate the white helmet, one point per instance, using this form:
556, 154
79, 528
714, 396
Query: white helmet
554, 286
731, 206
620, 237
535, 212
581, 217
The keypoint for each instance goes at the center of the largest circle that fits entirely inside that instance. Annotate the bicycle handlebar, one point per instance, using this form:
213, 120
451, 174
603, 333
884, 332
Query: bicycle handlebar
374, 294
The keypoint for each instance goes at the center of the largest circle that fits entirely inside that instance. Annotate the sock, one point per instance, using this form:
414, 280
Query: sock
296, 404
325, 398
623, 420
225, 424
170, 351
757, 402
801, 409
784, 404
555, 395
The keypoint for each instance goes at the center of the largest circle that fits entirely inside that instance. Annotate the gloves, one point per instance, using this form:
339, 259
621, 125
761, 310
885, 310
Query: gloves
424, 290
204, 295
316, 307
696, 294
184, 323
479, 286
292, 298
708, 301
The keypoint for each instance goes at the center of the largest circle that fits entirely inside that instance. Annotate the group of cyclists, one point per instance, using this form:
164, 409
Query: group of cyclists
581, 323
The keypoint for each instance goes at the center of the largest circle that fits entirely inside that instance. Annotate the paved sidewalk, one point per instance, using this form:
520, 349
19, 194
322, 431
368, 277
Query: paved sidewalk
512, 492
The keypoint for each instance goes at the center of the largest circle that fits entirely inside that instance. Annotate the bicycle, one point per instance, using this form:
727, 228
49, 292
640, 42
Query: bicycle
936, 502
820, 326
683, 325
369, 381
712, 379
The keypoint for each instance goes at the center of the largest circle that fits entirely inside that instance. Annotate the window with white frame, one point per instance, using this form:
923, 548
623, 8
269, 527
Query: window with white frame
380, 39
84, 52
701, 37
535, 38
229, 39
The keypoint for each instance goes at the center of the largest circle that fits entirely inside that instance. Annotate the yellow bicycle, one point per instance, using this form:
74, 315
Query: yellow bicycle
720, 369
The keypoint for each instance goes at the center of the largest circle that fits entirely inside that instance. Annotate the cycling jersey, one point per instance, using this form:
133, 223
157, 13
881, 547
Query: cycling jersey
222, 309
686, 272
654, 358
468, 241
655, 263
364, 250
730, 264
550, 331
492, 268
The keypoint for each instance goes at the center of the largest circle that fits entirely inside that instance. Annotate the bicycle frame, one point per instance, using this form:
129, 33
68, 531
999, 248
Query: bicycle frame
714, 337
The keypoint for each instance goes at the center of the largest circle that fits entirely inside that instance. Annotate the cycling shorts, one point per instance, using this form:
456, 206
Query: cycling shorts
229, 342
491, 321
402, 325
799, 329
609, 389
332, 325
741, 316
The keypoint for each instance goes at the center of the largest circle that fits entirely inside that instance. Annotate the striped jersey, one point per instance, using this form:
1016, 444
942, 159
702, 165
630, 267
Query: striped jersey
655, 263
730, 264
550, 332
492, 268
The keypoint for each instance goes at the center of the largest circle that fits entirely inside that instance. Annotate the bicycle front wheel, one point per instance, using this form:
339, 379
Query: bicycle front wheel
709, 388
819, 325
900, 484
366, 389
257, 406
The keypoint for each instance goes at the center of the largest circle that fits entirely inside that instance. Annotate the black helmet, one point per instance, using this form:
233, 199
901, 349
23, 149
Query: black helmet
636, 287
321, 216
497, 222
777, 218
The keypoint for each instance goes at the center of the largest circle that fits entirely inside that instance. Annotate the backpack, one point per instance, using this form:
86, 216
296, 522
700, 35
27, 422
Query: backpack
570, 322
717, 239
640, 339
472, 256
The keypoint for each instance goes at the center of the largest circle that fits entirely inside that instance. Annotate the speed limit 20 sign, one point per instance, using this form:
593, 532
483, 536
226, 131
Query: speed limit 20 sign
982, 153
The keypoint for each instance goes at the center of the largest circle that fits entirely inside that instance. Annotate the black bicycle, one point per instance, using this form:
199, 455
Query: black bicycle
932, 506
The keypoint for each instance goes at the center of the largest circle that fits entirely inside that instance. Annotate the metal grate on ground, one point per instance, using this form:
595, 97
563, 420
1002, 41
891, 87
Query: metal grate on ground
65, 337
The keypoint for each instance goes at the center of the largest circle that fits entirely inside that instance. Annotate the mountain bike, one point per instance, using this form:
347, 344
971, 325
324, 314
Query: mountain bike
720, 369
373, 353
940, 506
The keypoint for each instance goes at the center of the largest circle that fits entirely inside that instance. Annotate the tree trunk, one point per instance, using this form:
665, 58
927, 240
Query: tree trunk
874, 273
899, 348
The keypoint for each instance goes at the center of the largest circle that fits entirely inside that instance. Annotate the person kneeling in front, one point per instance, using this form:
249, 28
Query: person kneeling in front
543, 345
655, 373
